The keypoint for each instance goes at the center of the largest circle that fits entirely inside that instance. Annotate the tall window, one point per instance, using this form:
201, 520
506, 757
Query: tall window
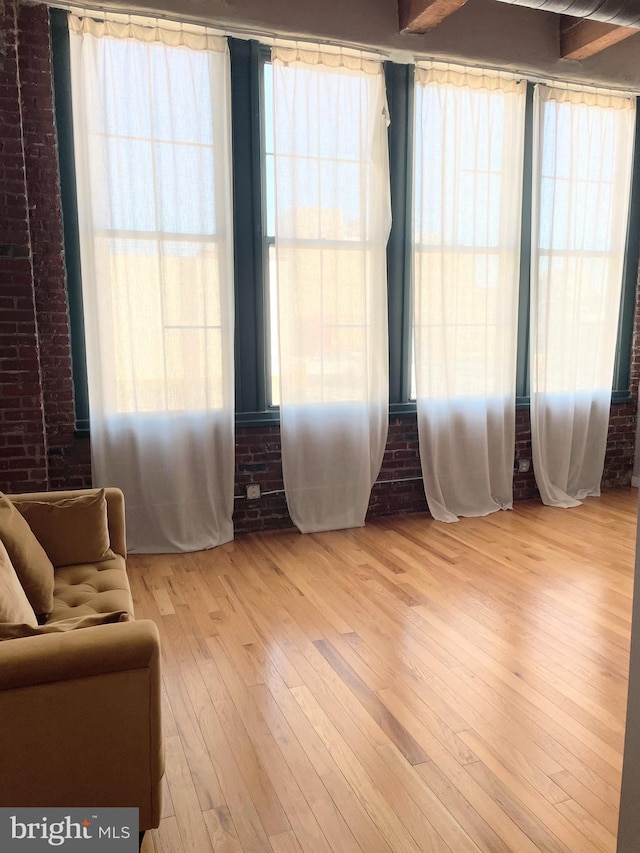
582, 173
467, 212
327, 174
158, 218
152, 152
467, 224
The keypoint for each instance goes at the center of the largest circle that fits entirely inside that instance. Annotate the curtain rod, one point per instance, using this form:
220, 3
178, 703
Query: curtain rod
573, 85
267, 37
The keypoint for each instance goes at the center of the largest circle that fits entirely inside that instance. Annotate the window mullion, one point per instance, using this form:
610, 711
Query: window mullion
522, 366
399, 82
248, 226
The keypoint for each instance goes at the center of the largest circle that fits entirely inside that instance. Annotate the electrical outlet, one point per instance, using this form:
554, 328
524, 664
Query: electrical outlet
522, 465
253, 491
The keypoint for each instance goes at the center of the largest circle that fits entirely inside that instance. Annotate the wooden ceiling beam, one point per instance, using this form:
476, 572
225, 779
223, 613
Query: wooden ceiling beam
581, 38
420, 16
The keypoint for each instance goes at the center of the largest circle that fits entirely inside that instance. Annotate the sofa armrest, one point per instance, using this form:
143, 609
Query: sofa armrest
81, 723
115, 511
55, 657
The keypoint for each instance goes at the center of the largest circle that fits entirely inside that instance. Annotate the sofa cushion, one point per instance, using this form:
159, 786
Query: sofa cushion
73, 530
31, 564
17, 630
90, 588
14, 604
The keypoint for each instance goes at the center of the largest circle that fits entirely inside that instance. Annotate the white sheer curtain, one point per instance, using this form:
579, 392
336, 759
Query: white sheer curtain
467, 222
332, 219
581, 180
151, 132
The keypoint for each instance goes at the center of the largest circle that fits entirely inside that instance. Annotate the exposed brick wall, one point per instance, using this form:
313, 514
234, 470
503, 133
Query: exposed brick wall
398, 489
69, 463
621, 439
524, 485
258, 461
38, 449
23, 459
399, 486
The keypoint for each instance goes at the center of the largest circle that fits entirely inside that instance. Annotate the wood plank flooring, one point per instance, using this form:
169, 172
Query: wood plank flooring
407, 686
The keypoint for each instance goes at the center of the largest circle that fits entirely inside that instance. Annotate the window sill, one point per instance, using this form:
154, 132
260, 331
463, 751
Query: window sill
271, 417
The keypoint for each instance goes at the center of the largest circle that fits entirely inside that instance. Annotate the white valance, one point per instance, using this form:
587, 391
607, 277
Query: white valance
472, 78
164, 32
588, 97
329, 57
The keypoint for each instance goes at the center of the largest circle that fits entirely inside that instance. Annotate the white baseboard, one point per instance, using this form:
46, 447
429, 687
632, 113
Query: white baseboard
635, 481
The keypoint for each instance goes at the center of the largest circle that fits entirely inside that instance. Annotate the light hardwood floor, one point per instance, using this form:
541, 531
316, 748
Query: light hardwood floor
406, 686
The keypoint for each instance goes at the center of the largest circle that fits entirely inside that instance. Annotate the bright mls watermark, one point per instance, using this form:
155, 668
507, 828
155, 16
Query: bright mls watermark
81, 830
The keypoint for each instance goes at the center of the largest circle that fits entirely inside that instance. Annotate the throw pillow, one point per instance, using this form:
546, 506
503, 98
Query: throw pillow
16, 630
32, 566
71, 530
14, 604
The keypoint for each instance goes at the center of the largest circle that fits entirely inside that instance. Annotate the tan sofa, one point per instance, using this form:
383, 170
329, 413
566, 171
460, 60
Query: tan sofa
80, 717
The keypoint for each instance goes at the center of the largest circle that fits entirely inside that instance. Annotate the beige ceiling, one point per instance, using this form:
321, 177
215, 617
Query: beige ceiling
578, 38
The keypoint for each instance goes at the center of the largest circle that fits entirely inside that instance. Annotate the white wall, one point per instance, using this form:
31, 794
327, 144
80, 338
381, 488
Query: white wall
629, 826
482, 31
